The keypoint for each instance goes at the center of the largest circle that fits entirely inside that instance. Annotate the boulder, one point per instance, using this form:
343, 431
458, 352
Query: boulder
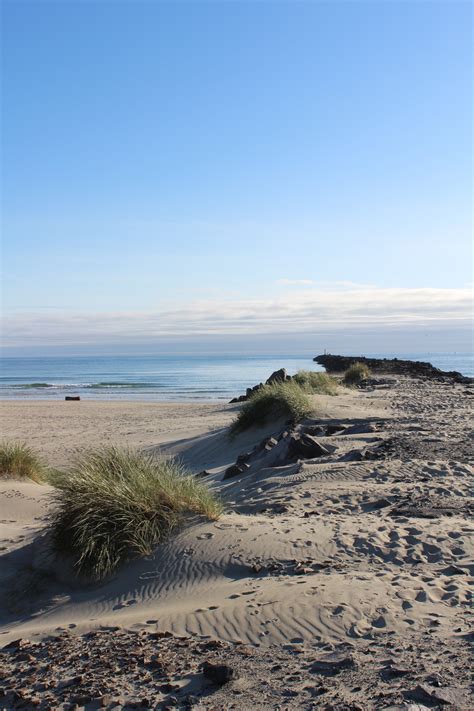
235, 470
278, 376
218, 673
306, 447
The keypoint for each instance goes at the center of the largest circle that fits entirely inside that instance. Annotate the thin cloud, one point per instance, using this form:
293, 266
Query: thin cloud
294, 282
301, 311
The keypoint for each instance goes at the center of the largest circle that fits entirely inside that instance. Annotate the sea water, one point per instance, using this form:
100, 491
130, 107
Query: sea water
166, 377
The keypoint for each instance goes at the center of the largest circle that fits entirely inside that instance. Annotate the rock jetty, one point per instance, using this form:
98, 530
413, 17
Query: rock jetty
414, 368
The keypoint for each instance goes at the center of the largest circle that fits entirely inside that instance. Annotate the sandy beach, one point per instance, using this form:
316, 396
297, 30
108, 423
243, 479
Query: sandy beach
340, 581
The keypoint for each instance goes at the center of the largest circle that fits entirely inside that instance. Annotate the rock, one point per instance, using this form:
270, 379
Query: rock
316, 431
306, 447
364, 428
235, 470
278, 376
218, 673
244, 457
72, 397
393, 672
335, 429
332, 663
250, 391
432, 695
270, 443
202, 474
434, 680
16, 644
380, 504
414, 368
355, 455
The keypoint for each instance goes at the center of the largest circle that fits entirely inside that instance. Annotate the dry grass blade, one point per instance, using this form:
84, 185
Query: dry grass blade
280, 399
356, 374
318, 383
19, 461
115, 504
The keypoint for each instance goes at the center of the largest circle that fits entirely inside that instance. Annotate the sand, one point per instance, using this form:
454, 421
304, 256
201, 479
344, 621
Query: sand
365, 552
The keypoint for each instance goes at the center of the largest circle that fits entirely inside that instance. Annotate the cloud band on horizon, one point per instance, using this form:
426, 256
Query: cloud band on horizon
296, 312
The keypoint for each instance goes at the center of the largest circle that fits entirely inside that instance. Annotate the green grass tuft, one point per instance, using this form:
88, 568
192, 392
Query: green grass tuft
117, 504
19, 461
356, 374
320, 383
280, 399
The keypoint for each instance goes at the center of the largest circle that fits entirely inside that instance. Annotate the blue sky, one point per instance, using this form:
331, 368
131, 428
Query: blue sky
219, 168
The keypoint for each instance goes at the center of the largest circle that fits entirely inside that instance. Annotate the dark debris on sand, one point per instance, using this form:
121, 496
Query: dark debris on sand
119, 669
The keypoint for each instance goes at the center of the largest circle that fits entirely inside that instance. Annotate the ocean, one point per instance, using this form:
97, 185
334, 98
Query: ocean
166, 377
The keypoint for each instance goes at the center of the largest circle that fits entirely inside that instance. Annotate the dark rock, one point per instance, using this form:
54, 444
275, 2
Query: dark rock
307, 447
355, 455
316, 431
432, 695
380, 504
218, 673
270, 443
244, 457
16, 644
278, 376
332, 663
414, 368
434, 680
72, 397
364, 428
335, 429
201, 474
250, 391
393, 672
235, 470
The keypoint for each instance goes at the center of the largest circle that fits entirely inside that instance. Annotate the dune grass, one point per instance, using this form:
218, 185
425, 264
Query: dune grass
19, 461
117, 504
356, 374
320, 383
280, 399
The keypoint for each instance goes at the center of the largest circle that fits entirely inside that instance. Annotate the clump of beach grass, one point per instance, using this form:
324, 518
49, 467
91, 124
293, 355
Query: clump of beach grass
356, 374
320, 383
279, 399
19, 461
117, 504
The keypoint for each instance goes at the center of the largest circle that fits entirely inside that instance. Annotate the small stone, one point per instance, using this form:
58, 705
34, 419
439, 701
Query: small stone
235, 470
218, 673
332, 663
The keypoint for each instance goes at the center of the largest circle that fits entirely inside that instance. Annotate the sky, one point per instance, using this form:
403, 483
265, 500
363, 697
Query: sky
181, 175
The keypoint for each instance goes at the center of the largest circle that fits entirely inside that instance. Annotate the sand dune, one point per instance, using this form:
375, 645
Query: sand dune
309, 554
